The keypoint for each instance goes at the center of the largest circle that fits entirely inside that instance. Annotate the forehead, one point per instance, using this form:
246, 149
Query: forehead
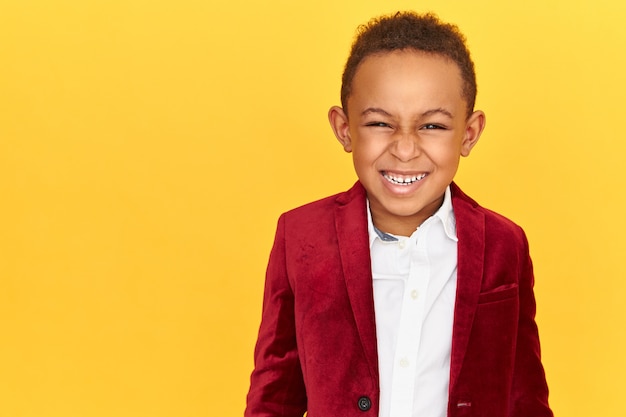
407, 79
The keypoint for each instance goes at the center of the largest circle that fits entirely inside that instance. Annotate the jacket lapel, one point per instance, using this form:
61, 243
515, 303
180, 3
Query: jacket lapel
471, 250
353, 241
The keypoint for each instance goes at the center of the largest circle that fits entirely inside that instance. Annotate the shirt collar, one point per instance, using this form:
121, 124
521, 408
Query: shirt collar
445, 214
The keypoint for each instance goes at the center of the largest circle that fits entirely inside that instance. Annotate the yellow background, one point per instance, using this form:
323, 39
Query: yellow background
147, 148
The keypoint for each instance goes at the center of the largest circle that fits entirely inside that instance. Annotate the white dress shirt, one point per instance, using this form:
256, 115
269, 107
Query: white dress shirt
414, 294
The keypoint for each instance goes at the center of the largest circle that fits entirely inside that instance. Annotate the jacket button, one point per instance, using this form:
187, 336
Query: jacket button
364, 403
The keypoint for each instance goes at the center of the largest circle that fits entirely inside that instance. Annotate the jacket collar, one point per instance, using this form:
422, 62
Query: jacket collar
352, 238
470, 229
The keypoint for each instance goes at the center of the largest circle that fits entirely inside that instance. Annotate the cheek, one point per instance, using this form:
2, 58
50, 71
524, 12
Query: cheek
445, 154
369, 153
361, 161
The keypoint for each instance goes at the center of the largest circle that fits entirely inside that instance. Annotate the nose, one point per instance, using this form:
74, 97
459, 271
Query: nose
405, 146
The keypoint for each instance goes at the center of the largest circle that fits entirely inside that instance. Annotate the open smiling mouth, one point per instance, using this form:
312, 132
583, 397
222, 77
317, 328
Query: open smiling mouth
403, 180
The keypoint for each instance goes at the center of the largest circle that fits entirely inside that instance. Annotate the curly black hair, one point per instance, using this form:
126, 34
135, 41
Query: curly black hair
410, 30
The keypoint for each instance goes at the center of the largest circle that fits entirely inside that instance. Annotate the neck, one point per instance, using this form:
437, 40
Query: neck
400, 225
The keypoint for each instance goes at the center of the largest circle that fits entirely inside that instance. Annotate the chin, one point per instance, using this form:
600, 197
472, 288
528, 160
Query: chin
404, 210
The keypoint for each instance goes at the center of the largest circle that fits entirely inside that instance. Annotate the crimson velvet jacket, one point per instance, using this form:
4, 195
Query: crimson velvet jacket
316, 349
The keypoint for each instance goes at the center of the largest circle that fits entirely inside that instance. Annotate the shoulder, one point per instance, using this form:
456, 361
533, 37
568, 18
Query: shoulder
469, 213
325, 208
322, 220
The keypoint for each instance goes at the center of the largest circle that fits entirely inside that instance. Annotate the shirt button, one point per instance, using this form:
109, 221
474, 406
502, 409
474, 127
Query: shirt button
404, 363
364, 403
414, 294
401, 244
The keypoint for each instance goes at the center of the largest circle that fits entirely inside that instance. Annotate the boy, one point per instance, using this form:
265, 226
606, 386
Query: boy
401, 297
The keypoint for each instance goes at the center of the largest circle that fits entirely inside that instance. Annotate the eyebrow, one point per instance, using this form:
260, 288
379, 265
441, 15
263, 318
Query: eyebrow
426, 113
438, 110
374, 110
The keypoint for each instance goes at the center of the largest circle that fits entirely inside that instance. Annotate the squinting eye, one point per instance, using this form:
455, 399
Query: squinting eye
432, 126
377, 124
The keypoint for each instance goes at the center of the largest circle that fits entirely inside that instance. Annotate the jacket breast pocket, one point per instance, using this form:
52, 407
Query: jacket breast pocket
501, 293
494, 332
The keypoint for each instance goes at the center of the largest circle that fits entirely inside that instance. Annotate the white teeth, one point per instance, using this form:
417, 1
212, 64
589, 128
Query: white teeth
403, 180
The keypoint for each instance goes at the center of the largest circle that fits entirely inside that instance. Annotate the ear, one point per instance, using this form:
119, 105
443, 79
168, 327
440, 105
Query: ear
339, 123
473, 128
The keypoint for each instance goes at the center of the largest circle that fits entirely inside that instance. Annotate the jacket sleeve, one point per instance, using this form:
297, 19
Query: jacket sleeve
276, 384
529, 391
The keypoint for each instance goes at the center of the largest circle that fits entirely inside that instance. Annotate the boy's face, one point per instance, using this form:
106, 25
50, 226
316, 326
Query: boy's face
406, 127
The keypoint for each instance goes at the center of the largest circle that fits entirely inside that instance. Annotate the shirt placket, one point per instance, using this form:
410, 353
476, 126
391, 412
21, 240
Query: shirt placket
410, 325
